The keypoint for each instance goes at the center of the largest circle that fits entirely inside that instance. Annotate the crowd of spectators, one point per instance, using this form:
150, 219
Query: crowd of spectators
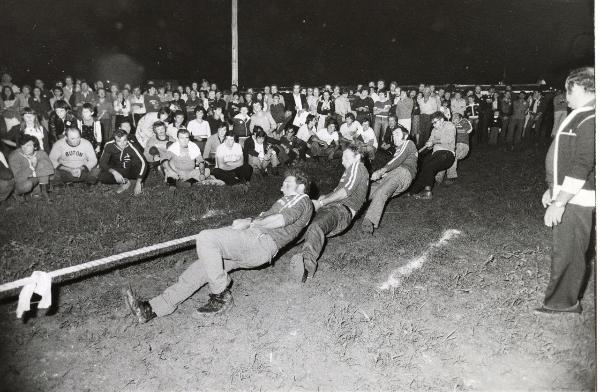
84, 132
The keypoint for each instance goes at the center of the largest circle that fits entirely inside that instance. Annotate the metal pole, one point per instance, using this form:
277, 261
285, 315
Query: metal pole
234, 42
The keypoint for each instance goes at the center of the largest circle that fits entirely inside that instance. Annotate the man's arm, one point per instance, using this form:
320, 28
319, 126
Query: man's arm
274, 221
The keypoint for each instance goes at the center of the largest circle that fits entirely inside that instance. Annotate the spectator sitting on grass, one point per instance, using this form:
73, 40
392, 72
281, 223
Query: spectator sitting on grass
366, 141
241, 122
7, 180
121, 162
247, 243
156, 148
326, 144
349, 130
178, 123
74, 159
60, 118
29, 126
278, 113
91, 129
262, 119
199, 128
230, 166
306, 134
31, 168
213, 142
145, 127
259, 154
183, 164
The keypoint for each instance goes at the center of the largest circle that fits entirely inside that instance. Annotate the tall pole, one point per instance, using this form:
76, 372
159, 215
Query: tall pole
234, 42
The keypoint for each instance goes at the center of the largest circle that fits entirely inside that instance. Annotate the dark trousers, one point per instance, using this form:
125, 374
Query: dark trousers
533, 129
424, 129
569, 271
329, 221
136, 118
514, 131
238, 175
484, 123
432, 164
106, 177
87, 176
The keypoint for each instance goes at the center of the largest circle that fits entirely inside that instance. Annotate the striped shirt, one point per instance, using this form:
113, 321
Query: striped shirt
356, 182
296, 210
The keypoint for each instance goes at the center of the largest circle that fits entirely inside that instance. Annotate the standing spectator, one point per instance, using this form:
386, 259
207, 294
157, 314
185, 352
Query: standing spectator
516, 122
165, 96
560, 110
404, 108
277, 110
104, 114
31, 168
495, 128
428, 105
535, 119
363, 106
230, 167
91, 129
312, 100
458, 104
233, 106
85, 95
7, 180
122, 162
152, 100
138, 105
472, 114
443, 142
241, 122
342, 106
392, 179
192, 103
335, 213
570, 200
68, 89
415, 124
74, 159
122, 107
505, 113
485, 115
381, 110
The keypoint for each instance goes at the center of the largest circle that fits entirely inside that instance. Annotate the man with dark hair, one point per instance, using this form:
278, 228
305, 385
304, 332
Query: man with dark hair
335, 212
230, 167
363, 106
571, 198
247, 243
121, 162
60, 119
183, 163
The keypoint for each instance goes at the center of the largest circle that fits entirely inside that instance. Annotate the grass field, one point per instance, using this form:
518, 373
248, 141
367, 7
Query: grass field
463, 321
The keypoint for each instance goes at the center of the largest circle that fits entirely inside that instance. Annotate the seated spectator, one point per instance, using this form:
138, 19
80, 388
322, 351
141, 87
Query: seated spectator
215, 118
305, 134
85, 95
40, 106
325, 109
105, 112
74, 159
258, 153
156, 147
443, 142
145, 127
7, 180
277, 109
230, 166
122, 107
60, 119
327, 142
192, 104
233, 106
9, 107
152, 101
290, 147
31, 168
213, 142
349, 130
29, 126
122, 162
262, 119
366, 140
458, 104
178, 123
91, 130
126, 126
183, 164
342, 106
199, 128
241, 122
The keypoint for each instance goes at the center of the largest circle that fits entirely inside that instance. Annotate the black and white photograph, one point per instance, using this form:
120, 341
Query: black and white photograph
298, 195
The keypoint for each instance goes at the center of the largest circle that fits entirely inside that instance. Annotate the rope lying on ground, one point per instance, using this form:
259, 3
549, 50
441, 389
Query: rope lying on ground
100, 262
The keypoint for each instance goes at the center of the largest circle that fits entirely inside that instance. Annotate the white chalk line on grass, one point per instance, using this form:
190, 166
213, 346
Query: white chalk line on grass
415, 264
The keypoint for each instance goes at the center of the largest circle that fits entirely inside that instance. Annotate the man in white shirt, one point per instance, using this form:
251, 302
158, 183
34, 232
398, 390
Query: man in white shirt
349, 130
366, 140
230, 167
138, 107
326, 143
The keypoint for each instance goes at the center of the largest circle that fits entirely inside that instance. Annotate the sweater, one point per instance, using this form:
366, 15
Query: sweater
23, 168
404, 108
571, 158
73, 157
444, 138
123, 160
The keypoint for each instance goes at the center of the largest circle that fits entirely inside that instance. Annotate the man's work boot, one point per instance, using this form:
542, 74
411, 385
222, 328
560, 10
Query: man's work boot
140, 309
217, 303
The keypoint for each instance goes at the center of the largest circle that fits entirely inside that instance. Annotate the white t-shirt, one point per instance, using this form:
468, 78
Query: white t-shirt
232, 154
199, 129
304, 133
368, 135
327, 137
350, 132
137, 109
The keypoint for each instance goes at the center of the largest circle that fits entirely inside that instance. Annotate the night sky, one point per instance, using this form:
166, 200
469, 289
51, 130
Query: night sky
282, 41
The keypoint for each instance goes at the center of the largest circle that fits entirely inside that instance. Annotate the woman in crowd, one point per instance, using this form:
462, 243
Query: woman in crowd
91, 129
29, 126
9, 107
416, 115
258, 153
39, 105
24, 96
230, 166
60, 118
313, 101
31, 168
325, 109
262, 119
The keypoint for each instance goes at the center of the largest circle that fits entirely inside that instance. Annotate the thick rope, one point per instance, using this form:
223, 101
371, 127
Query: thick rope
96, 263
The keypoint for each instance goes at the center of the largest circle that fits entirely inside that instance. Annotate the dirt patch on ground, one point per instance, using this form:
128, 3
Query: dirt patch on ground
463, 321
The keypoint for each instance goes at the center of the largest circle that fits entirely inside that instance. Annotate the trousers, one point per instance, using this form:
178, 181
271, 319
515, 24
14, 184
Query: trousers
219, 251
432, 164
569, 270
238, 175
329, 221
392, 184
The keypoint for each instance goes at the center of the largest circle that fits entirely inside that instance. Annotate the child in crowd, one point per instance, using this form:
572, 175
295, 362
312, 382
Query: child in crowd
495, 128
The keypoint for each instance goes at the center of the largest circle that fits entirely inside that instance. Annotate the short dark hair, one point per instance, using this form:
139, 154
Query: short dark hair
354, 148
61, 104
178, 113
182, 131
24, 139
88, 106
200, 108
157, 124
393, 116
119, 133
309, 118
300, 176
583, 77
164, 110
259, 132
438, 116
351, 115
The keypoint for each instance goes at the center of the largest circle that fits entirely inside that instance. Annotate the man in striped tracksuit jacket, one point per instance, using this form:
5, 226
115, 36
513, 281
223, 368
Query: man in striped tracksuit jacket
570, 198
122, 161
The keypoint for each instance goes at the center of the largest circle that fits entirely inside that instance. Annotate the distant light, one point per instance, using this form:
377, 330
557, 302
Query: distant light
303, 20
394, 39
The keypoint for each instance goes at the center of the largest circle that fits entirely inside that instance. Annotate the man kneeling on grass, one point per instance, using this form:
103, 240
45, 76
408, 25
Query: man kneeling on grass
247, 243
392, 179
335, 213
121, 162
